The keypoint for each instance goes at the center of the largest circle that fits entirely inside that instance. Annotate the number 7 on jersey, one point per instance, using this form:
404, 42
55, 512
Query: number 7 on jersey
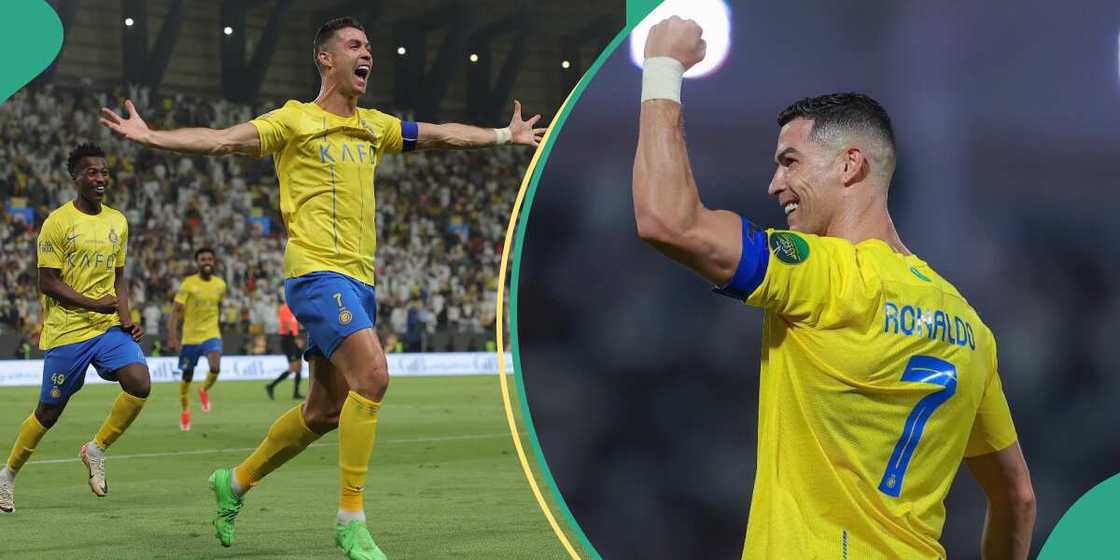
920, 369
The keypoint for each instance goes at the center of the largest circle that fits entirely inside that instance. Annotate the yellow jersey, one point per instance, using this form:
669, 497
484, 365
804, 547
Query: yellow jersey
201, 301
325, 164
877, 379
88, 250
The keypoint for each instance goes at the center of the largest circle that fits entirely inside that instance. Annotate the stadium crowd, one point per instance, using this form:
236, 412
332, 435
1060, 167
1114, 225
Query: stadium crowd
441, 220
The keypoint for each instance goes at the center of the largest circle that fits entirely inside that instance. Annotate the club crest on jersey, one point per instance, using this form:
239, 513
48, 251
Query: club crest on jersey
113, 237
789, 247
344, 316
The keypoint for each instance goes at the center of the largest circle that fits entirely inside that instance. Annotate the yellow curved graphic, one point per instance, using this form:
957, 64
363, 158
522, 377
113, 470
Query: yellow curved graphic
500, 322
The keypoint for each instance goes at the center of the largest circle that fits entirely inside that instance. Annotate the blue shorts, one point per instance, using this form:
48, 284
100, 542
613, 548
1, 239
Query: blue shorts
331, 307
64, 367
190, 353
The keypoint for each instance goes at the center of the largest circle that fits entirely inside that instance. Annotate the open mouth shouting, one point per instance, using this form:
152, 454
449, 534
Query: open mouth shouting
362, 72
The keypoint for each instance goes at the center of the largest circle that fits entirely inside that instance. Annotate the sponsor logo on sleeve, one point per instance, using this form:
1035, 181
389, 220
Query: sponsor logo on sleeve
789, 247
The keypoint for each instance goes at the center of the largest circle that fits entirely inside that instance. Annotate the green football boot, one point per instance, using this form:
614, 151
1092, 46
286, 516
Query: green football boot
229, 505
354, 539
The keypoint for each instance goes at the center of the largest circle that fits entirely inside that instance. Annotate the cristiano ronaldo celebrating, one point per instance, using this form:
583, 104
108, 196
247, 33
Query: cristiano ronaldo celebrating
878, 379
326, 153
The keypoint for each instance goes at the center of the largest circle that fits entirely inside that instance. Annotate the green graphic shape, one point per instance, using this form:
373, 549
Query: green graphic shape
636, 10
1088, 529
31, 34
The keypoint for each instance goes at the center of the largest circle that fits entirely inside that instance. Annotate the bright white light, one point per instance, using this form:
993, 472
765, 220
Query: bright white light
401, 51
128, 22
228, 30
474, 57
713, 16
565, 65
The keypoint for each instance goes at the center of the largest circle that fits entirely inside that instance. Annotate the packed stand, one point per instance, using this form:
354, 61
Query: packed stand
441, 222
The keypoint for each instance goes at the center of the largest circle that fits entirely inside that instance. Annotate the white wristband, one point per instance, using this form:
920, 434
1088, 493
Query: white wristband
504, 135
661, 78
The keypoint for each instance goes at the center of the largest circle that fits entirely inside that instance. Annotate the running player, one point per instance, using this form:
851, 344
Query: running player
81, 251
878, 378
292, 344
198, 305
326, 153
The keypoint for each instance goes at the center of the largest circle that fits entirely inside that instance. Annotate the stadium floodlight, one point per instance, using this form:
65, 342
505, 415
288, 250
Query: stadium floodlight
565, 65
128, 22
401, 50
714, 16
228, 30
474, 57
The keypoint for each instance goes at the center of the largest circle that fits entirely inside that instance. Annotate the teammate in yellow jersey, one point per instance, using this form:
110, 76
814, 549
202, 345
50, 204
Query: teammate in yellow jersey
326, 153
878, 379
198, 305
81, 251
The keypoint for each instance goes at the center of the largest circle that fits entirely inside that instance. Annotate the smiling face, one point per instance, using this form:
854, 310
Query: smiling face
205, 262
809, 179
346, 59
91, 178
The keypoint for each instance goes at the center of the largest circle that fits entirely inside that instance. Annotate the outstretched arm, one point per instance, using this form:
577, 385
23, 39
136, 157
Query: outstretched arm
667, 204
459, 136
1011, 503
237, 139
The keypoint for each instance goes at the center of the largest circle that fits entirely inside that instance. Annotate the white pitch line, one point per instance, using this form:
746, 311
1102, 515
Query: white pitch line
244, 449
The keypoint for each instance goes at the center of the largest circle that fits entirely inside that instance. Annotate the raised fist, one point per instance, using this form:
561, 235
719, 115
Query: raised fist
677, 38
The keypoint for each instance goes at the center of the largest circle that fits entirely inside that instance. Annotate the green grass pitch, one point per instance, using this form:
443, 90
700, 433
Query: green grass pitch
444, 481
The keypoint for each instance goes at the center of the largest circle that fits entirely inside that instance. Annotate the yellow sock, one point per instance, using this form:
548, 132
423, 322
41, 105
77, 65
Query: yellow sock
356, 427
30, 432
184, 395
287, 437
125, 409
211, 379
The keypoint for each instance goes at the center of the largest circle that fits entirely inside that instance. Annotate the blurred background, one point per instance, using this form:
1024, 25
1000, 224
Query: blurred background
643, 385
441, 215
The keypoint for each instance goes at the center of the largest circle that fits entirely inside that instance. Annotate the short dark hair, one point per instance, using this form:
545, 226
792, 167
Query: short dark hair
82, 151
202, 250
841, 110
327, 31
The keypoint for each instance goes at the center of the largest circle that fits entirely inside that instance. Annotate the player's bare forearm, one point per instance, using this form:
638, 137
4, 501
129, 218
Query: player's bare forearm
120, 286
1006, 482
237, 139
454, 136
52, 286
240, 139
667, 205
173, 323
461, 136
1007, 533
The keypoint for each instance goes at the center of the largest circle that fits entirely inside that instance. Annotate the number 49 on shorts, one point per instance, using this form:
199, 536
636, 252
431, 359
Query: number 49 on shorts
920, 369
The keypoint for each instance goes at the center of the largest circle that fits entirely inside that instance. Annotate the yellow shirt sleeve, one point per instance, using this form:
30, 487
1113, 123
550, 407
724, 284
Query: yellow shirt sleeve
122, 251
275, 128
812, 280
183, 294
389, 129
993, 429
50, 242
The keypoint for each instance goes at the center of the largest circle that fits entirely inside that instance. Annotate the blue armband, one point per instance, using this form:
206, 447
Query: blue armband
752, 264
410, 133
